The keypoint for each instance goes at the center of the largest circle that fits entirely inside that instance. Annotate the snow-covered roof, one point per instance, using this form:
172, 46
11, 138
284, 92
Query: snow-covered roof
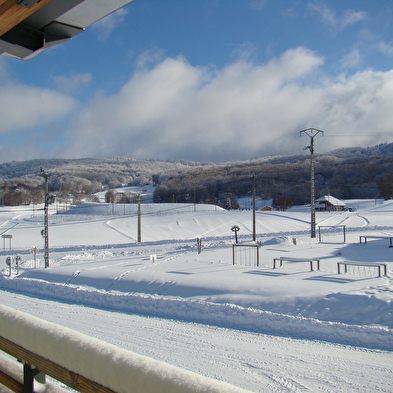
332, 200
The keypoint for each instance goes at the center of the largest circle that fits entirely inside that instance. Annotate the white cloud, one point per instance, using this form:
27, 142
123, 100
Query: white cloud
105, 26
386, 49
351, 17
71, 84
258, 4
352, 59
25, 107
174, 110
348, 18
245, 110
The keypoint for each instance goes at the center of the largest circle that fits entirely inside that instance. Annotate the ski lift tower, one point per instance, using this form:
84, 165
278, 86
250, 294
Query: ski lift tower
312, 133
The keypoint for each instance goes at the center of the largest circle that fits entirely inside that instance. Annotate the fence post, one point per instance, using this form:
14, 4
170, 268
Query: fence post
199, 243
29, 375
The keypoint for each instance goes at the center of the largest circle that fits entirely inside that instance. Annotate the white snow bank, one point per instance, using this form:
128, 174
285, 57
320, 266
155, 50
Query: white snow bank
106, 364
224, 315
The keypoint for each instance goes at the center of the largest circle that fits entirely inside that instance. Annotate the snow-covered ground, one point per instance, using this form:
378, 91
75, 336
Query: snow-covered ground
279, 330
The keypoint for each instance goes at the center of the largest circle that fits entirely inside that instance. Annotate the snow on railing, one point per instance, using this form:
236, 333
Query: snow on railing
87, 364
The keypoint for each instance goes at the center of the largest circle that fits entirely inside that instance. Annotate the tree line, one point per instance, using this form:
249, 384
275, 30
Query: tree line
284, 183
346, 174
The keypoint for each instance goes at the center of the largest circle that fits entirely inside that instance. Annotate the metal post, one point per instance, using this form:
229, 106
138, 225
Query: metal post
235, 229
199, 243
34, 252
312, 133
29, 375
254, 234
9, 263
139, 219
46, 220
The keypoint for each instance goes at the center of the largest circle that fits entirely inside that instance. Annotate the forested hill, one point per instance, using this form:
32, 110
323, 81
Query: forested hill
98, 169
344, 173
383, 150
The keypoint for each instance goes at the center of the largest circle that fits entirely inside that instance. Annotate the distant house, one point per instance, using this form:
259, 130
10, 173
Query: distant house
329, 203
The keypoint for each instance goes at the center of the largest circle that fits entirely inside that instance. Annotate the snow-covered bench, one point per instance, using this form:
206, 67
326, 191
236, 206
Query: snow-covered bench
379, 266
376, 237
288, 259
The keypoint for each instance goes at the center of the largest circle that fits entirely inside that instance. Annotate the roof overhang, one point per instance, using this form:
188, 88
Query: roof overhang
28, 27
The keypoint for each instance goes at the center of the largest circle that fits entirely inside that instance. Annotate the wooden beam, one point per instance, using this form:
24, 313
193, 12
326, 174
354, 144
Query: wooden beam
11, 374
11, 13
71, 379
10, 383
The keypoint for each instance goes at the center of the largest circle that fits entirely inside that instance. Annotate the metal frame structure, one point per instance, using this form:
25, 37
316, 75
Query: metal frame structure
330, 226
238, 249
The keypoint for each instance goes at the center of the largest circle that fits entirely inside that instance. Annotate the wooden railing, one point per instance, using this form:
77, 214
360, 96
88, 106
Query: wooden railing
32, 368
40, 348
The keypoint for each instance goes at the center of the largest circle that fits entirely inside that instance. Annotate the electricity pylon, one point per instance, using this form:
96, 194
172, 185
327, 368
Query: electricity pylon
312, 133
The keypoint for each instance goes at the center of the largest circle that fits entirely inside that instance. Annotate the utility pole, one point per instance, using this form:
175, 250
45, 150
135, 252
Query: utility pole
254, 234
312, 133
48, 199
139, 219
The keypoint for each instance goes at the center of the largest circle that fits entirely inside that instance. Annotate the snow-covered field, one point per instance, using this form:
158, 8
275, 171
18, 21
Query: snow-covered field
267, 330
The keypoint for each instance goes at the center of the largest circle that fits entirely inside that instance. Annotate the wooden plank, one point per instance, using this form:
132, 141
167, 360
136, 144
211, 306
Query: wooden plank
11, 13
10, 383
11, 374
71, 379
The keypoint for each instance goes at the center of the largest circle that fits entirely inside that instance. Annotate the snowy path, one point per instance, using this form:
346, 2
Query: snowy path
257, 362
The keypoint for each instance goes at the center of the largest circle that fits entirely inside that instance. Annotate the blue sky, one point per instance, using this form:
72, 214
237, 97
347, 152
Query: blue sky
206, 80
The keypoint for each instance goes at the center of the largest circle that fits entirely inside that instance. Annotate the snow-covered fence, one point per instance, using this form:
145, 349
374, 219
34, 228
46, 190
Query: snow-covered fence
246, 254
86, 364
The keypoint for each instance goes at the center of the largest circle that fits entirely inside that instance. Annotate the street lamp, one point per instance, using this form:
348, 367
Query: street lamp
235, 229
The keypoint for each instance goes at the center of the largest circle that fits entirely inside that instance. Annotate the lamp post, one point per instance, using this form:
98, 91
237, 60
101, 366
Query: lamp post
312, 133
235, 229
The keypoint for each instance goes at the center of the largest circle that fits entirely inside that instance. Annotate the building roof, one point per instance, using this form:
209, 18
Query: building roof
28, 27
332, 200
